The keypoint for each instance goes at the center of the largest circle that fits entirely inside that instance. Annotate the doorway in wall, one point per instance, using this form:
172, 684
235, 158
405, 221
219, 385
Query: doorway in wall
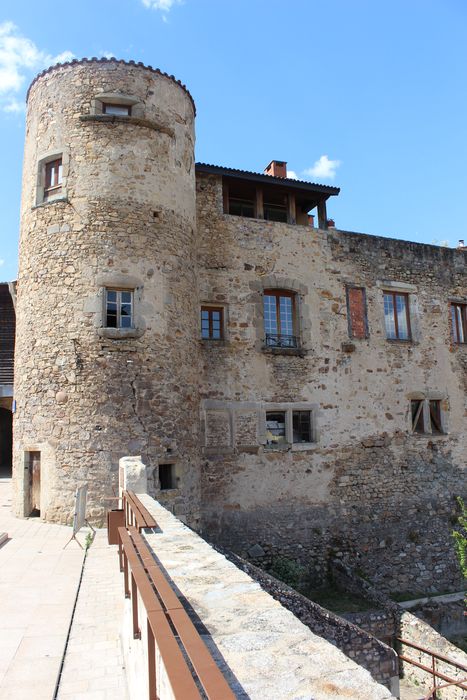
34, 473
6, 442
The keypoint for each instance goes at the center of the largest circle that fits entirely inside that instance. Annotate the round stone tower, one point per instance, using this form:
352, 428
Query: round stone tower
107, 309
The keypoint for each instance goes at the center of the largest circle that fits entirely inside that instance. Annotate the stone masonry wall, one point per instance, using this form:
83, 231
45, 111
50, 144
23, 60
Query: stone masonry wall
125, 219
368, 490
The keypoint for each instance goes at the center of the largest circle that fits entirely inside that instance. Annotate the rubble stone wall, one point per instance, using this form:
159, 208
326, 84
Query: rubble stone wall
368, 490
125, 218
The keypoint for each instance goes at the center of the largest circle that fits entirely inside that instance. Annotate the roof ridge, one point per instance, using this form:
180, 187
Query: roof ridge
103, 59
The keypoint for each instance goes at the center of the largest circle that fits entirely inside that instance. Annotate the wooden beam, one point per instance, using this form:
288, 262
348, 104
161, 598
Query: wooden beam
259, 203
322, 215
291, 209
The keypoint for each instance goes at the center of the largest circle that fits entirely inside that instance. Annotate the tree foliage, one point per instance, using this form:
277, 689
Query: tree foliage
460, 537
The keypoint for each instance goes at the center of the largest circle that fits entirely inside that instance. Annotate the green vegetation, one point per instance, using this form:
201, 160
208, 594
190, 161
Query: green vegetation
337, 600
460, 537
288, 571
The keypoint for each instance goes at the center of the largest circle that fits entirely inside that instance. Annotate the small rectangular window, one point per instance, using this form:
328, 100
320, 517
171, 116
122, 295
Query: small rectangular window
117, 110
275, 428
212, 322
302, 426
356, 311
167, 479
459, 323
53, 178
396, 316
119, 308
427, 416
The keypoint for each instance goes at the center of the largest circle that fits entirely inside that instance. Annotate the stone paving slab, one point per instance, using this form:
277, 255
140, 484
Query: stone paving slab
38, 584
93, 668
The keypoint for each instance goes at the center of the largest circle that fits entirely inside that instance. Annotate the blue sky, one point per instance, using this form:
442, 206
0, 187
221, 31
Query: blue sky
369, 95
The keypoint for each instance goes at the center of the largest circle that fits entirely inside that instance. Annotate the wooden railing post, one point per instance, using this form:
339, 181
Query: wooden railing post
151, 663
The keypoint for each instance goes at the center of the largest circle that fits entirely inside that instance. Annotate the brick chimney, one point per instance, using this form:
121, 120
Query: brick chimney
276, 168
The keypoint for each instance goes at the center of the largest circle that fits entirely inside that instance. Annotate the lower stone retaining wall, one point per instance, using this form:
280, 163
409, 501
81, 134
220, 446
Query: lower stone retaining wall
393, 619
356, 643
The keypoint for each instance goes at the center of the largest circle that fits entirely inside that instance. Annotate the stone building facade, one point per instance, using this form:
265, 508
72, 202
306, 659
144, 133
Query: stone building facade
295, 390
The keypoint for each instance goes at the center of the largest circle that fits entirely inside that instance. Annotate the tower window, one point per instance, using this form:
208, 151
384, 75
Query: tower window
427, 417
119, 308
117, 110
53, 178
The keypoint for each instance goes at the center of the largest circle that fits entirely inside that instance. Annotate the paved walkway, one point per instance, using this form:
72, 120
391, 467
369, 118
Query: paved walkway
38, 584
93, 668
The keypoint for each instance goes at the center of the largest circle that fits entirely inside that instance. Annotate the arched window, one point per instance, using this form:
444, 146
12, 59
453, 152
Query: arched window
280, 318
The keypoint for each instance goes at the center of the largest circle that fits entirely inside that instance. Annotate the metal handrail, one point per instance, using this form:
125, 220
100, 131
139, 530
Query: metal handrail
277, 340
433, 671
167, 622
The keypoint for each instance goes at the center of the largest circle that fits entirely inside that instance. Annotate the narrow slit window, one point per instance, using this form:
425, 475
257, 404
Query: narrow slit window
212, 323
275, 428
119, 308
396, 316
459, 323
302, 427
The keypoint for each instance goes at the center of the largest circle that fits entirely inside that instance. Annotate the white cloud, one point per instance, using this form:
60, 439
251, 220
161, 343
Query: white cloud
324, 167
2, 262
19, 57
163, 6
292, 174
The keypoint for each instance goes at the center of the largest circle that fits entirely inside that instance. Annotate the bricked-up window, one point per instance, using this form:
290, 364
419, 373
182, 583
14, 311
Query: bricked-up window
426, 416
396, 316
280, 325
212, 322
459, 322
302, 426
117, 110
119, 308
53, 178
167, 478
275, 428
356, 312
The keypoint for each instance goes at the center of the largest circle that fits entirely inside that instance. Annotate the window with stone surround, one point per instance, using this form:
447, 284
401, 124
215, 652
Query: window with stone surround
286, 426
397, 316
119, 305
280, 318
357, 312
459, 323
52, 173
117, 104
212, 322
428, 415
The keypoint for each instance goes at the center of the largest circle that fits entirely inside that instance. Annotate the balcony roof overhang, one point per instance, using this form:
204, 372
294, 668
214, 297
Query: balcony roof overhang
308, 193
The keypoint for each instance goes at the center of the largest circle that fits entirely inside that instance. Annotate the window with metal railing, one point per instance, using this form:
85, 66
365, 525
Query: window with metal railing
280, 319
